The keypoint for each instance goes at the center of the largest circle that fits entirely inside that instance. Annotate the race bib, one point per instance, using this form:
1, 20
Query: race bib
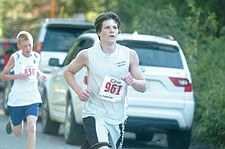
30, 70
112, 89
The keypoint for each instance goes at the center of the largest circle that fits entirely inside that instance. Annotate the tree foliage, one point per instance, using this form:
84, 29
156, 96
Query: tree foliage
19, 15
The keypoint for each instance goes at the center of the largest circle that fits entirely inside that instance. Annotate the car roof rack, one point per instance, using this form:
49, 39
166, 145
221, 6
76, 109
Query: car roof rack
167, 37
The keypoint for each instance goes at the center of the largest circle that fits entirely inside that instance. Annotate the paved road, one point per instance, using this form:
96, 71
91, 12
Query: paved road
57, 142
43, 141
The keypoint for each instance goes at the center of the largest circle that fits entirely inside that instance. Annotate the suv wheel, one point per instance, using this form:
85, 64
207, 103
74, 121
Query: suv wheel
144, 136
179, 139
48, 126
74, 133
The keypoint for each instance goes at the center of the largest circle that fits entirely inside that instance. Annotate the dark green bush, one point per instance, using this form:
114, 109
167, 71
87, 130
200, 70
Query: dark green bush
205, 55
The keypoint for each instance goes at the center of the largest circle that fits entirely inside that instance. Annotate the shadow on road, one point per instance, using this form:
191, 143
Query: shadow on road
131, 143
158, 142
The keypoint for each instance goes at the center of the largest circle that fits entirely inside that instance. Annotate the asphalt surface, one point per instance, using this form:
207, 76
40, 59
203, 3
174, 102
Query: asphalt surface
45, 141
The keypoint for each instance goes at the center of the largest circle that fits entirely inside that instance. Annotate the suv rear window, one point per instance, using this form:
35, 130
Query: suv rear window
154, 54
59, 39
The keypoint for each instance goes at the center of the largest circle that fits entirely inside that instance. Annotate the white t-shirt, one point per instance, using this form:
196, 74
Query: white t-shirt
25, 92
108, 100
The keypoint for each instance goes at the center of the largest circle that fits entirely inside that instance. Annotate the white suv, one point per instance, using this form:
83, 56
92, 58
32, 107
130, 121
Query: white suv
56, 36
54, 39
167, 106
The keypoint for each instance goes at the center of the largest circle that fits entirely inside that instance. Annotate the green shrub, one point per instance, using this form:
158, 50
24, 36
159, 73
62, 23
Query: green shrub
205, 55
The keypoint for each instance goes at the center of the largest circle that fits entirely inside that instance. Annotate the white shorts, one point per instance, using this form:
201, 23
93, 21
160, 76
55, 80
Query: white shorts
99, 133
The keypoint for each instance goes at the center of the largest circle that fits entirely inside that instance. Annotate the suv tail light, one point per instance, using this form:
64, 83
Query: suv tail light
182, 82
6, 44
38, 47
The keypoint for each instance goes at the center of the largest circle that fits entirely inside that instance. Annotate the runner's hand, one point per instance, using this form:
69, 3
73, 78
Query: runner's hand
84, 95
128, 79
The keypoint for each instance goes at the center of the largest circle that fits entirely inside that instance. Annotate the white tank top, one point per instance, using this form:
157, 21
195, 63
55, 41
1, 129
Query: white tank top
25, 92
112, 66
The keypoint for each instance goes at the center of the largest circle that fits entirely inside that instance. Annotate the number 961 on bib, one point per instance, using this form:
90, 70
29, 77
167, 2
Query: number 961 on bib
112, 89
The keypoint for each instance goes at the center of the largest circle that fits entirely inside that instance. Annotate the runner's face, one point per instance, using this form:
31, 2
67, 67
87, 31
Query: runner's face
26, 47
109, 31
